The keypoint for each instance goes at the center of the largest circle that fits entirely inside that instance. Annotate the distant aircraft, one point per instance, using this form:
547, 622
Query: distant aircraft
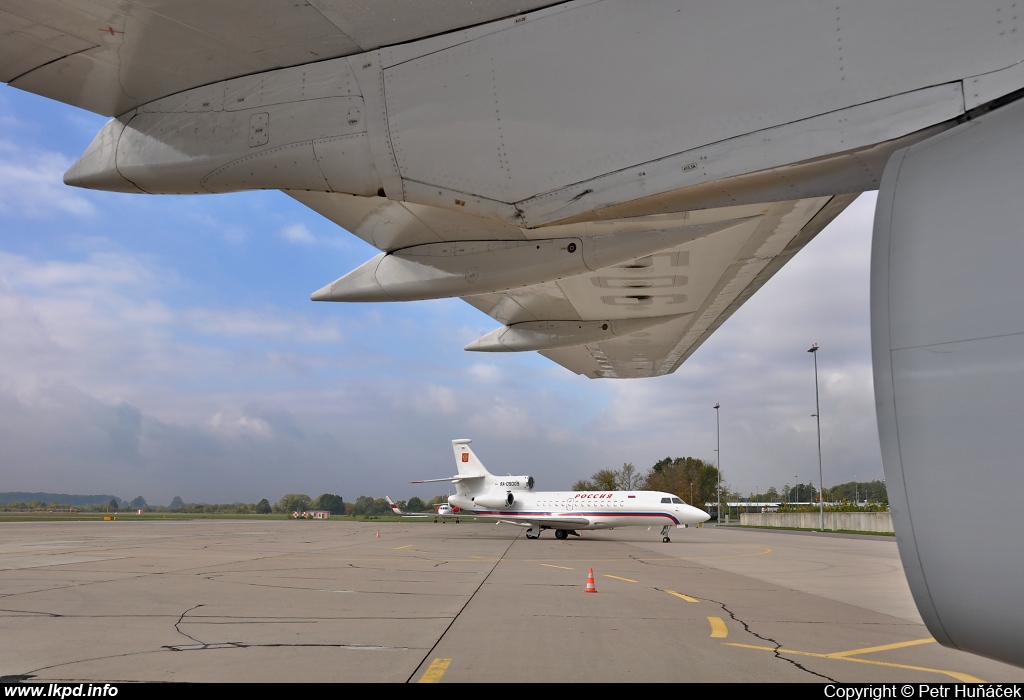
442, 511
610, 180
511, 499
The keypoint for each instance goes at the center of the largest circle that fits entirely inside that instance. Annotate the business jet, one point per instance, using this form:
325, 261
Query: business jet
442, 511
610, 180
511, 499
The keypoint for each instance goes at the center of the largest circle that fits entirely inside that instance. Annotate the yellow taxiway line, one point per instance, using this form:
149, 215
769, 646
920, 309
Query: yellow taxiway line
718, 628
435, 671
687, 598
847, 656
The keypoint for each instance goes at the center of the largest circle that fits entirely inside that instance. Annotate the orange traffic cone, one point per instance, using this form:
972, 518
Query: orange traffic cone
378, 533
591, 588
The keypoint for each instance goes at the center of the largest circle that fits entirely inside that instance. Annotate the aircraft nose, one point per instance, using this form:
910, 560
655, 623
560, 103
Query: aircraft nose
699, 515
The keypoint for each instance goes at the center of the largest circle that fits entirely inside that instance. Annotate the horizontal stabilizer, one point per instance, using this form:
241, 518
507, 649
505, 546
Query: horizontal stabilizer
452, 479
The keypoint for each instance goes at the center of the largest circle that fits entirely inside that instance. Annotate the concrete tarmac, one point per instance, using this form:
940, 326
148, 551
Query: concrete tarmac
330, 601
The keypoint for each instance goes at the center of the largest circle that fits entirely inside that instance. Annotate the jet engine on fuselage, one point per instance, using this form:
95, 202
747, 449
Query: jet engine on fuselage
501, 491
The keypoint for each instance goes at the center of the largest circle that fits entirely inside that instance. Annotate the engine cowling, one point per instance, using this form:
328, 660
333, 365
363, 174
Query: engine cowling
495, 501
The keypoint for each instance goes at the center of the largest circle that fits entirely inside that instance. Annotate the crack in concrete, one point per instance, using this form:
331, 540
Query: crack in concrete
29, 613
778, 645
246, 645
177, 624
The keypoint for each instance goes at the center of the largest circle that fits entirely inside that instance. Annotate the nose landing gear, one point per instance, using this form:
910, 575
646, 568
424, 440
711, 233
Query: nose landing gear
664, 533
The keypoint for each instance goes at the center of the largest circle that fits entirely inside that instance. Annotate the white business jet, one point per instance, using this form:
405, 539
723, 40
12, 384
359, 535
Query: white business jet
511, 499
443, 511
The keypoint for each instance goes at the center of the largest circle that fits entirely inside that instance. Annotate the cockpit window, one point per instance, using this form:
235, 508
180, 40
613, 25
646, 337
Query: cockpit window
678, 500
666, 500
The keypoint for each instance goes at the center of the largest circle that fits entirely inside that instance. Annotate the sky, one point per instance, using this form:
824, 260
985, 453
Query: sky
163, 346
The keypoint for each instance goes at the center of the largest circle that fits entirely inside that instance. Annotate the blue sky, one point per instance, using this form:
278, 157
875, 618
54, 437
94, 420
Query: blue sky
166, 346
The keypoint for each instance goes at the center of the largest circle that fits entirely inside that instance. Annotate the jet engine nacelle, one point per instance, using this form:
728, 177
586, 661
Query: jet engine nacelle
496, 501
513, 483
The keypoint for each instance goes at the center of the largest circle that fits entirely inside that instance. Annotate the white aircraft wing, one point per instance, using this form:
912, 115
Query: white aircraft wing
665, 304
553, 522
683, 259
692, 289
549, 522
110, 56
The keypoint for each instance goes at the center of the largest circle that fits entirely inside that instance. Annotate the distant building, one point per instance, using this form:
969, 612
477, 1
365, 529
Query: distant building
312, 514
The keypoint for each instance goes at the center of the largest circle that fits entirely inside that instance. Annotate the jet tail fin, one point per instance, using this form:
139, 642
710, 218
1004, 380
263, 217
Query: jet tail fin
468, 463
394, 506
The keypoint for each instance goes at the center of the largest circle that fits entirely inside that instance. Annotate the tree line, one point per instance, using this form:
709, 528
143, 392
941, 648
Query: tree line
696, 481
692, 479
363, 506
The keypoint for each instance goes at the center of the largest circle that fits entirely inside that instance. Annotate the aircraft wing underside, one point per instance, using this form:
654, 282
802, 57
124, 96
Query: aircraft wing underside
110, 56
384, 118
658, 308
694, 287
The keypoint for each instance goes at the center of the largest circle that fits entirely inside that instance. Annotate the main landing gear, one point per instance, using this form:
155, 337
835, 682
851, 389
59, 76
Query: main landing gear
534, 532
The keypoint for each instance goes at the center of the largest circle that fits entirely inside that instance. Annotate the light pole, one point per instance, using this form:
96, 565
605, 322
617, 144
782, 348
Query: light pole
796, 478
718, 467
817, 417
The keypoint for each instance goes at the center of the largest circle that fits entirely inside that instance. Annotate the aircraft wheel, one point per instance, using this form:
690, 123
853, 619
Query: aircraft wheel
532, 537
665, 539
561, 534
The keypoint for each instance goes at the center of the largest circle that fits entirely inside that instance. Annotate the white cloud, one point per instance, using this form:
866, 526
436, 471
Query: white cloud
248, 323
241, 425
298, 233
32, 184
435, 400
485, 372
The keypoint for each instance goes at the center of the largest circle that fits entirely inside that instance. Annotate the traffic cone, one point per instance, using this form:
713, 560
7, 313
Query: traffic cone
378, 534
591, 588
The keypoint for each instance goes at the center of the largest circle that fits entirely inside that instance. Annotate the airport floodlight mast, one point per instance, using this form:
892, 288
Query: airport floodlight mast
718, 467
817, 418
